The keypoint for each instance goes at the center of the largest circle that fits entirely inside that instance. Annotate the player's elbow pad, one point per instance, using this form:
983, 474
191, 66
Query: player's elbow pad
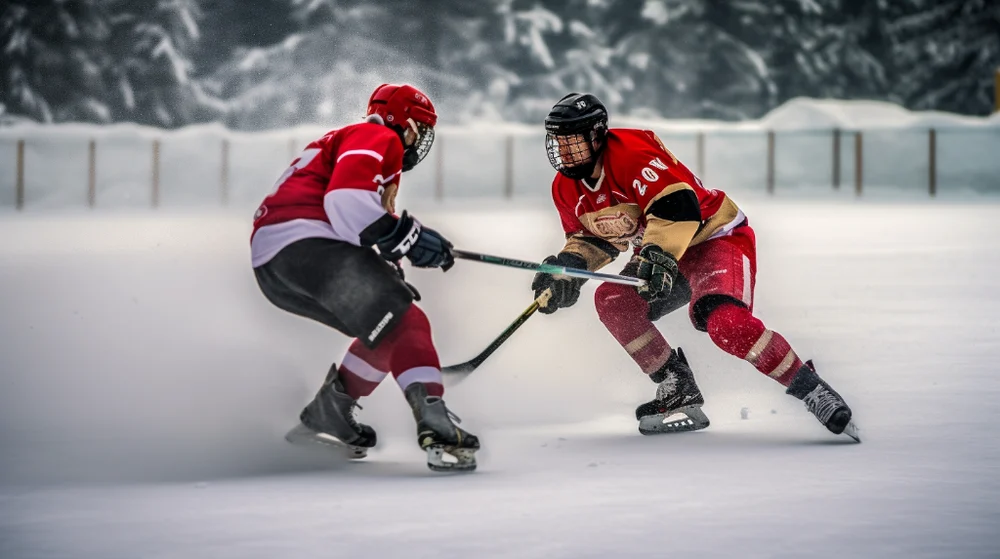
681, 205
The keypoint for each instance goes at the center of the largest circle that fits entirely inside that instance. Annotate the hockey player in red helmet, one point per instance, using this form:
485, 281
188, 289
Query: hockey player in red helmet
313, 254
621, 189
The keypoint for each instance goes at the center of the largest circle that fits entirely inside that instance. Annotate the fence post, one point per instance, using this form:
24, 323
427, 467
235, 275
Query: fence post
932, 162
836, 158
155, 170
224, 174
19, 184
439, 170
770, 161
508, 183
996, 90
858, 163
92, 174
701, 154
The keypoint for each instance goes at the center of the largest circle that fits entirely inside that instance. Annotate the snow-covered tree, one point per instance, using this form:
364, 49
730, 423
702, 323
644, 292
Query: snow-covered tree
945, 53
685, 64
52, 63
151, 45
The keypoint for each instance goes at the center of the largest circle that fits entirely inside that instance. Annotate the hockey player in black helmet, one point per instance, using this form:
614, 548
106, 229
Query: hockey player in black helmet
620, 190
575, 131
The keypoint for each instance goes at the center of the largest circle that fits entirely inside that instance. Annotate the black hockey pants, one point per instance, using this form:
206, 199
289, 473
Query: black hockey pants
347, 287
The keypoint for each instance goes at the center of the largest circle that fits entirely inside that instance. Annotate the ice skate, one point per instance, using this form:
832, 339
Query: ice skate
329, 420
438, 435
823, 401
678, 402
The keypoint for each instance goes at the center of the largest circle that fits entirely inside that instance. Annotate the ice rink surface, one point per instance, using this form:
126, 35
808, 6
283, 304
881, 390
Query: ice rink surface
145, 385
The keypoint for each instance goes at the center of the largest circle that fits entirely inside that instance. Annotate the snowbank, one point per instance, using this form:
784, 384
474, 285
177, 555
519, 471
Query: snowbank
208, 165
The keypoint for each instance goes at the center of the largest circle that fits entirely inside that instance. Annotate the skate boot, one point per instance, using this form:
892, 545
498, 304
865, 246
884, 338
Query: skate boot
438, 435
823, 401
678, 402
329, 420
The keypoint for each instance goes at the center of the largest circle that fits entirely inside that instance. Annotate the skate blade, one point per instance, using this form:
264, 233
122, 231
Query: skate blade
681, 420
852, 431
300, 434
450, 459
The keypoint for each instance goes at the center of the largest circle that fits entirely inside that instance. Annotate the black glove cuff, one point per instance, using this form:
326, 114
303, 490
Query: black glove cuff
571, 260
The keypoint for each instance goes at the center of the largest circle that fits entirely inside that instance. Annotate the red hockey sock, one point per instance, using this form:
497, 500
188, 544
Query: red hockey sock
413, 356
363, 369
623, 312
736, 331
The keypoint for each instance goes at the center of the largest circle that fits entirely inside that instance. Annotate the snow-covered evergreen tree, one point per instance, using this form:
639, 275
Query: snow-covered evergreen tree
274, 63
52, 67
945, 53
685, 64
150, 46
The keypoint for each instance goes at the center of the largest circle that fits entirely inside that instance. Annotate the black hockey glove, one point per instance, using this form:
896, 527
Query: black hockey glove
659, 269
565, 290
424, 247
666, 303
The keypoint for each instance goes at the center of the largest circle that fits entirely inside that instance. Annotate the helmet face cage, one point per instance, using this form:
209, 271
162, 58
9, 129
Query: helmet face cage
569, 151
575, 154
416, 152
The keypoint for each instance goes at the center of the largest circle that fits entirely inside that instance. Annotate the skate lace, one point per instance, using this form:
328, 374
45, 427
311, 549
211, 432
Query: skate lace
452, 415
350, 416
822, 403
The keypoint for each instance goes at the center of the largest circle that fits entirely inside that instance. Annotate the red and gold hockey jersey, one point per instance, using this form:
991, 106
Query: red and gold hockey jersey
637, 172
339, 185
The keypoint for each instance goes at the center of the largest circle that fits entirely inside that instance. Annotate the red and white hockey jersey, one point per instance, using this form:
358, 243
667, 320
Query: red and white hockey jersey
637, 170
339, 185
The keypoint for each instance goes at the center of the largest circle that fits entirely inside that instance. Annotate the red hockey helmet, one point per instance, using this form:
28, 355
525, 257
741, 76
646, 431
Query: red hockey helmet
405, 107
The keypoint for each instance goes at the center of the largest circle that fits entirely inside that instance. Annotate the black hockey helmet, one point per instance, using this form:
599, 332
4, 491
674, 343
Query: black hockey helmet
575, 129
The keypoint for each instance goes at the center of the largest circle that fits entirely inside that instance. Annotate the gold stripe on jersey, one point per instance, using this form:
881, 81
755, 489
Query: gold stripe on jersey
726, 213
664, 148
594, 256
672, 236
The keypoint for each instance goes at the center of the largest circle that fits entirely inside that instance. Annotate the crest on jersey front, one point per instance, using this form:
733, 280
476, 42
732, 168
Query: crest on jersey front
617, 225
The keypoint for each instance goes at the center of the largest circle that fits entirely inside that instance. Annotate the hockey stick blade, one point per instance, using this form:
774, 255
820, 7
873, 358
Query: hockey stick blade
852, 431
546, 268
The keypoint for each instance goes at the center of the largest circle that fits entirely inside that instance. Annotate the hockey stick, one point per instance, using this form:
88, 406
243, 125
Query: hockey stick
546, 268
469, 366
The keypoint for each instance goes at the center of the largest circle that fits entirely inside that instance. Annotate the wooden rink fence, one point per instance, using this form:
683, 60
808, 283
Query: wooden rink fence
508, 165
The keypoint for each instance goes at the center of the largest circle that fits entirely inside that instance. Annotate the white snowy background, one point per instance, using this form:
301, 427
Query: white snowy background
145, 384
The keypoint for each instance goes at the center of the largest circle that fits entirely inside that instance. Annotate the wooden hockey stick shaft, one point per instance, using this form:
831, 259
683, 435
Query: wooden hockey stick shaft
471, 365
545, 268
